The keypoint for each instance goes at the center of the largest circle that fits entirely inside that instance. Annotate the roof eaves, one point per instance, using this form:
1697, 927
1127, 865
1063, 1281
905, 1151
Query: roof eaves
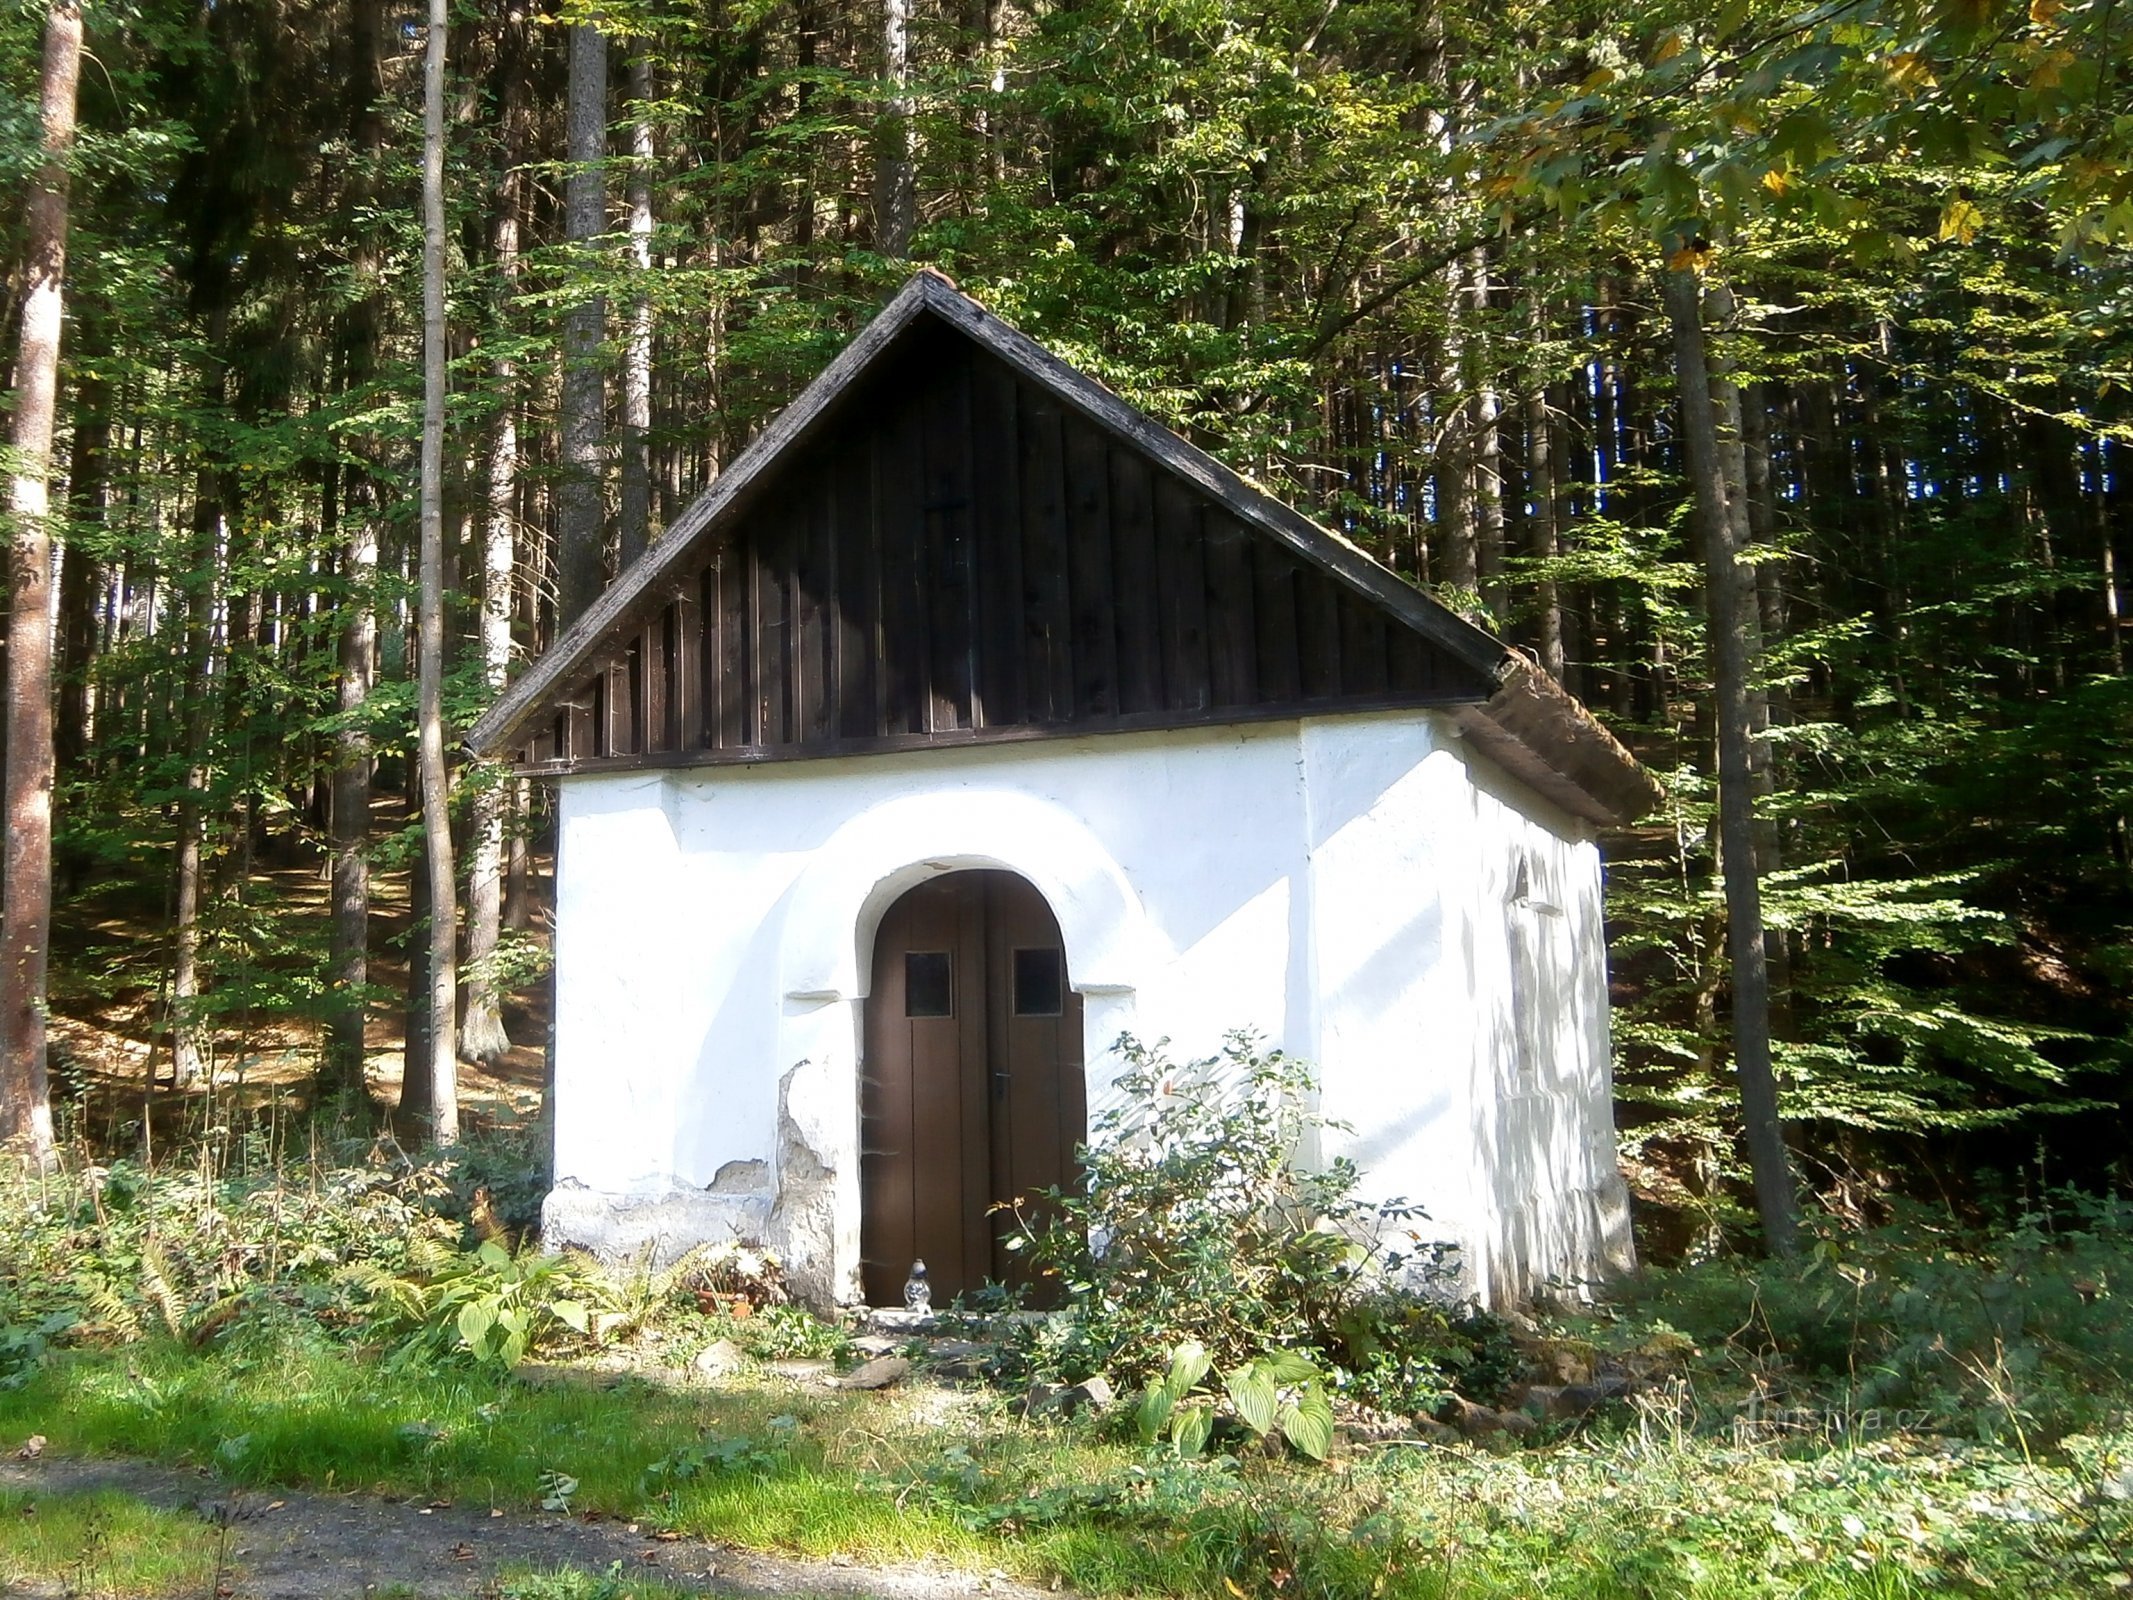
1536, 730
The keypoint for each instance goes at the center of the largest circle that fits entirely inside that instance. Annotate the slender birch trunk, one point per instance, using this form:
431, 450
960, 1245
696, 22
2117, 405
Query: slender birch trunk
1488, 450
1452, 458
436, 813
82, 578
26, 915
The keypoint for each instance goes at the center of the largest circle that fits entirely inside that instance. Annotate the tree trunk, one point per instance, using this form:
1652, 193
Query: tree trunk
26, 915
2113, 623
518, 859
1542, 545
436, 811
636, 507
351, 497
81, 580
1729, 595
481, 1029
895, 194
1488, 452
349, 953
197, 693
1452, 458
584, 402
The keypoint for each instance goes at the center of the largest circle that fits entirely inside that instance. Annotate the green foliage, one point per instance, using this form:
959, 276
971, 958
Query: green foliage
487, 1303
1279, 1391
125, 1250
788, 1333
726, 1454
1200, 1238
241, 1232
1678, 1500
2001, 1332
25, 1346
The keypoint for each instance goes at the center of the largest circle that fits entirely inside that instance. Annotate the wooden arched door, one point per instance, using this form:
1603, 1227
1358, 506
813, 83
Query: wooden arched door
971, 1085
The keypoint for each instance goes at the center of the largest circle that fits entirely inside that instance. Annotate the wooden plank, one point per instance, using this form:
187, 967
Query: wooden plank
997, 698
1362, 632
813, 604
601, 730
654, 692
858, 621
1048, 658
1133, 578
950, 637
618, 701
900, 530
736, 653
1181, 595
973, 1079
773, 549
580, 731
1318, 635
1274, 622
1232, 640
1091, 594
686, 665
1408, 661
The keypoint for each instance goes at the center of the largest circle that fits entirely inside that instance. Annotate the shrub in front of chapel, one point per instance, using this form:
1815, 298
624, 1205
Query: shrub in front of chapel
1199, 1228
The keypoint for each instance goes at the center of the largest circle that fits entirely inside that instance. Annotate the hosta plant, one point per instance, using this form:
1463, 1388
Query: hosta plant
486, 1303
1278, 1392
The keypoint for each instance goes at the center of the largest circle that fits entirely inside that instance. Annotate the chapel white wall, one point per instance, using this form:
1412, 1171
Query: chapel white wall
1332, 884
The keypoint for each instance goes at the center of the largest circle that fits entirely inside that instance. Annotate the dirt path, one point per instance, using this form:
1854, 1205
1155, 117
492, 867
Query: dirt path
290, 1545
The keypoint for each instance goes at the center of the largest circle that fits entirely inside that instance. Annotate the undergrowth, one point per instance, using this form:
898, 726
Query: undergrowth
2027, 1329
1925, 1409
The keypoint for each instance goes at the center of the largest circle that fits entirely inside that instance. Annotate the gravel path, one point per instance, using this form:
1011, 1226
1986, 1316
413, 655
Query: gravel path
292, 1545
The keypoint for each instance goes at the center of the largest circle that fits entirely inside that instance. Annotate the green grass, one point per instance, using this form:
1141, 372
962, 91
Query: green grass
102, 1543
1655, 1510
576, 1583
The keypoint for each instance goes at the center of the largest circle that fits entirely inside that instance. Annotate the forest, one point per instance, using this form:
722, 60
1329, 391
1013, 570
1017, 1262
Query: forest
1409, 267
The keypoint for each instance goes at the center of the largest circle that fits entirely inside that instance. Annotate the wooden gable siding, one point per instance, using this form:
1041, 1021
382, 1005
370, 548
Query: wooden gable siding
965, 558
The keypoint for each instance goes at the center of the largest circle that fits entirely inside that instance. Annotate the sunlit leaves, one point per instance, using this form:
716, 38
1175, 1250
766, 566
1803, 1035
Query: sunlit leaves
1960, 220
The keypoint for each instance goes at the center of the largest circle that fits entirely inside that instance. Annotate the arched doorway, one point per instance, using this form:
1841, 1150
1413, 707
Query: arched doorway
971, 1088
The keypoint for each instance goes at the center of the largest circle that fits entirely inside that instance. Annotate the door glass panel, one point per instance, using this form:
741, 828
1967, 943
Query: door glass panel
928, 989
1040, 983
